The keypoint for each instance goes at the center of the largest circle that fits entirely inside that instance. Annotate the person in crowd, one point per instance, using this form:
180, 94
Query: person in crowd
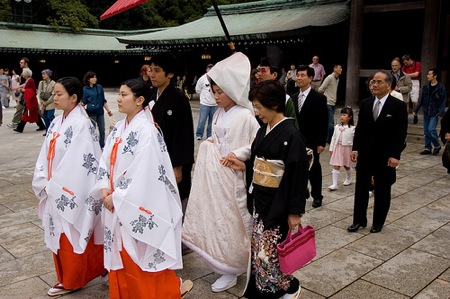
341, 148
65, 172
432, 101
329, 89
312, 117
319, 73
282, 79
393, 92
218, 194
291, 80
403, 83
20, 109
31, 113
173, 114
380, 138
413, 69
142, 240
268, 70
145, 77
94, 101
45, 95
192, 87
15, 83
208, 105
4, 89
278, 172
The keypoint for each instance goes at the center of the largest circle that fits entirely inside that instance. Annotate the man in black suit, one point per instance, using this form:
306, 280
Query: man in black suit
380, 138
312, 117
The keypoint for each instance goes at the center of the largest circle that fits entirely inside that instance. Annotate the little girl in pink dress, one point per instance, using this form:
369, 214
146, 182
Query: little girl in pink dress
341, 148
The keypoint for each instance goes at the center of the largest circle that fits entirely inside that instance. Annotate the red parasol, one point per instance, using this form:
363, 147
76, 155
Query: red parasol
120, 6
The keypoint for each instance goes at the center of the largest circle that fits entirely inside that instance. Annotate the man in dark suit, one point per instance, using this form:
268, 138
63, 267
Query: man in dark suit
380, 137
312, 117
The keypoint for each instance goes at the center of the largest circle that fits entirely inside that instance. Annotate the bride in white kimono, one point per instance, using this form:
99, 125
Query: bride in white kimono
217, 223
65, 172
142, 219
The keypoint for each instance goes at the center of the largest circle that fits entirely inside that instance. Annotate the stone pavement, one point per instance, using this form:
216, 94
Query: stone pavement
410, 258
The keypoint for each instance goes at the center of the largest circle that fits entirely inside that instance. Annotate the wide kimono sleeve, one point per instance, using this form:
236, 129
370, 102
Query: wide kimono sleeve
295, 175
250, 128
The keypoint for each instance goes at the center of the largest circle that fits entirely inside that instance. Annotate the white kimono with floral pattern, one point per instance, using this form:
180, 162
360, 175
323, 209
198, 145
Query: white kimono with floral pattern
217, 224
146, 220
64, 202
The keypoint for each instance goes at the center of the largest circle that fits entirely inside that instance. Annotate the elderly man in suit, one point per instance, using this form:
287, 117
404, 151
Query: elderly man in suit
312, 117
380, 137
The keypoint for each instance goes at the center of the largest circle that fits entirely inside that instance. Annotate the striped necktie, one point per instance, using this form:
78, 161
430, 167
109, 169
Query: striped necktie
301, 101
376, 109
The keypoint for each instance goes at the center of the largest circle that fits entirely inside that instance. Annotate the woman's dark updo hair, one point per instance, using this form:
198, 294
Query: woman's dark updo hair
270, 94
139, 89
72, 86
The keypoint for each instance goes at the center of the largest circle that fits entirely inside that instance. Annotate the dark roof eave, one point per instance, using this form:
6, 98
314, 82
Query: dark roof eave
132, 51
220, 39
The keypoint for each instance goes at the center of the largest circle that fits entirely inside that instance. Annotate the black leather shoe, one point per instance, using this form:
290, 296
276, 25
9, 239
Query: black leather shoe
436, 150
376, 229
354, 227
17, 131
316, 203
425, 152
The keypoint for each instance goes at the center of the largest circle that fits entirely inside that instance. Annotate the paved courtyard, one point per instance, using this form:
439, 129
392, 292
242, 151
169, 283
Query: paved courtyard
410, 258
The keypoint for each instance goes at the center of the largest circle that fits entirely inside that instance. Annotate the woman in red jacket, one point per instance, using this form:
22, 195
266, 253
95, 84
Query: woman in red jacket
31, 114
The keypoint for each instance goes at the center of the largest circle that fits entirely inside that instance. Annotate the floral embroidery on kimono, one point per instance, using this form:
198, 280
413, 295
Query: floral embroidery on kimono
162, 144
124, 183
102, 173
268, 276
69, 134
93, 132
163, 178
64, 201
159, 258
108, 239
132, 141
94, 205
141, 223
90, 163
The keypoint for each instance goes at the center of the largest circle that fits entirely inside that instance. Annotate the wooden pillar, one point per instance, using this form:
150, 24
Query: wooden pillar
430, 39
354, 53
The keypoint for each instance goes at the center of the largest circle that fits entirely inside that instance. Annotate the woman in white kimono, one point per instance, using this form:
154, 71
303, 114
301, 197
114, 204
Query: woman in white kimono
217, 223
66, 170
142, 219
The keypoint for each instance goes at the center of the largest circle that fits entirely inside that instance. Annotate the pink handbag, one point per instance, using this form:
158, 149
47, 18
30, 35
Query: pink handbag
297, 250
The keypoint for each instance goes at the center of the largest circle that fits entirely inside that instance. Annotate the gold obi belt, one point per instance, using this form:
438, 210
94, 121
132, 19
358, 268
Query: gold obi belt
267, 173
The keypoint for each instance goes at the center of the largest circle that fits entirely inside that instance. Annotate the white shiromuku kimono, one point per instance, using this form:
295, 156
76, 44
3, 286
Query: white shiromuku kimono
217, 223
147, 209
62, 184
